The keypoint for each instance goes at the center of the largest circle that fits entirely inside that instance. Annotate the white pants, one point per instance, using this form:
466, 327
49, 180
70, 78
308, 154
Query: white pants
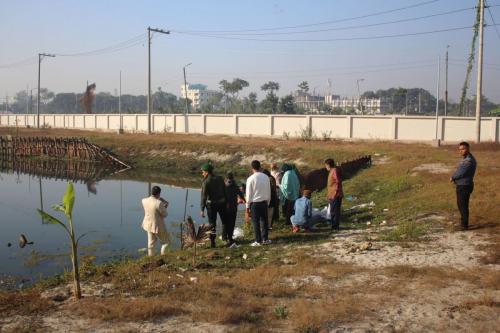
153, 238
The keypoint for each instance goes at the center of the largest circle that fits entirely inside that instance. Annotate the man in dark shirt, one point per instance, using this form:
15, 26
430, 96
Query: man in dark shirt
213, 198
463, 178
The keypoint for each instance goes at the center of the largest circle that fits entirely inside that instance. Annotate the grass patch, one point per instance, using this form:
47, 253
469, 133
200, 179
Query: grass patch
137, 309
405, 231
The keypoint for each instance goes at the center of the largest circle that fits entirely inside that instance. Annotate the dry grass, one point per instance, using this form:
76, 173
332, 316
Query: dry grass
26, 302
123, 309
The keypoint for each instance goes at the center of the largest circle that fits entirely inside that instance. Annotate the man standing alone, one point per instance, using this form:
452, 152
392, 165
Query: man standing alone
258, 196
213, 198
155, 211
463, 178
334, 192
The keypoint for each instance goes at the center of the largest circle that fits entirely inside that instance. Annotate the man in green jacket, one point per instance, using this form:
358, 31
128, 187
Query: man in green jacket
213, 199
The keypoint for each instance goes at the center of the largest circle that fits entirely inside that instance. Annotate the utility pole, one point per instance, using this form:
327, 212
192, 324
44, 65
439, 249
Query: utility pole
27, 99
359, 95
419, 102
406, 102
40, 57
479, 73
185, 88
437, 94
120, 130
446, 84
149, 105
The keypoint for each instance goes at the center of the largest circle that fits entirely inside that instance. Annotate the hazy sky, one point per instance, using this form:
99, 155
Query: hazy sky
69, 27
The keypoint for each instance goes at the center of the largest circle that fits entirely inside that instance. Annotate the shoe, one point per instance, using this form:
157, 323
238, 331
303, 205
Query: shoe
255, 244
267, 242
234, 246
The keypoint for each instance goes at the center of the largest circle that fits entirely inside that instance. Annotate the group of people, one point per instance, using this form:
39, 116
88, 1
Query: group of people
264, 193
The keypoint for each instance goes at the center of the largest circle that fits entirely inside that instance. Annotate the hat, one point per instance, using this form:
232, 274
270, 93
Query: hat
207, 167
306, 193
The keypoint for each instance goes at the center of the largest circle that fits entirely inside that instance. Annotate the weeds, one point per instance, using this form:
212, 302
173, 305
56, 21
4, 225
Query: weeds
326, 135
306, 134
404, 231
281, 311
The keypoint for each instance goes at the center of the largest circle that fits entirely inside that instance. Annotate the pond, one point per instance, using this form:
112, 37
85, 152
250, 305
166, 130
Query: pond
109, 209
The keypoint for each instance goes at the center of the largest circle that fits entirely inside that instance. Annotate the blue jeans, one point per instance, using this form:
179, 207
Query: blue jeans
258, 210
335, 213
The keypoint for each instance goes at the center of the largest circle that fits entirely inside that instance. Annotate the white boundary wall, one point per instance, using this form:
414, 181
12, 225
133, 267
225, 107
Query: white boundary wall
402, 128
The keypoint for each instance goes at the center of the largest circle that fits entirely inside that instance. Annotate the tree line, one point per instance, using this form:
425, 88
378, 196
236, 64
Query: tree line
228, 100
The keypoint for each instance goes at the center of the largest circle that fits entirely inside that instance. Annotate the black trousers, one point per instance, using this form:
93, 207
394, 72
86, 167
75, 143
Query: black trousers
228, 225
288, 207
463, 196
212, 210
259, 220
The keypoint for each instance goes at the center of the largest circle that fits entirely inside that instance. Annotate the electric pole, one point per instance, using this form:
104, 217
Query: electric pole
40, 57
359, 94
437, 94
479, 72
419, 102
120, 130
446, 84
149, 105
185, 88
406, 102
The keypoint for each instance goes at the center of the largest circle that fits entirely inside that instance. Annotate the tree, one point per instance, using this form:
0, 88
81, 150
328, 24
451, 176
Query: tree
304, 87
270, 87
270, 103
66, 207
232, 88
287, 105
252, 102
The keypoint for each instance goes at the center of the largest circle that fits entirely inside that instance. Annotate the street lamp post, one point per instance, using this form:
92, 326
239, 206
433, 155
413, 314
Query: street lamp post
40, 57
359, 94
185, 88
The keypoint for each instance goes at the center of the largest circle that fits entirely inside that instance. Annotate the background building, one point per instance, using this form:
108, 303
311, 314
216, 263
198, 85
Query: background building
198, 94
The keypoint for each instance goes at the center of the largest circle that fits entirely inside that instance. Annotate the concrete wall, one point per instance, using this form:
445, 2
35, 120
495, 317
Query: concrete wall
404, 128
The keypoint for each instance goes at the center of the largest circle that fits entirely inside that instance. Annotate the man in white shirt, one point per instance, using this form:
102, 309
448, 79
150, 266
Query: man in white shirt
258, 196
155, 211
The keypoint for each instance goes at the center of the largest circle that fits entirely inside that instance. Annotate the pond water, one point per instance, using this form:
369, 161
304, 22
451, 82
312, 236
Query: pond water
110, 209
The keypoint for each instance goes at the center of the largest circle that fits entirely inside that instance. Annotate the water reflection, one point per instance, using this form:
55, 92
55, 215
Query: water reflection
110, 208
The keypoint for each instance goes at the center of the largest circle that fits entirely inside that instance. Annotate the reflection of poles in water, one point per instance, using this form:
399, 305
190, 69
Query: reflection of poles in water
184, 216
41, 197
149, 188
121, 203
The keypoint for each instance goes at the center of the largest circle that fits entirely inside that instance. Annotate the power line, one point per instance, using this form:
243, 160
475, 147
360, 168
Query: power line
347, 27
320, 23
493, 20
330, 73
109, 49
20, 63
421, 62
335, 39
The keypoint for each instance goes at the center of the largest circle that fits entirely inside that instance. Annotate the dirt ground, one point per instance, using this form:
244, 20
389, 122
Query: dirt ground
397, 265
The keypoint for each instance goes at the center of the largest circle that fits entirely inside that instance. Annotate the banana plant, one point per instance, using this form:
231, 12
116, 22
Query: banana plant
68, 201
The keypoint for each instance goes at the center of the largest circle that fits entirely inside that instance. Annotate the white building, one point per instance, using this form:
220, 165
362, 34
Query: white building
363, 105
198, 94
308, 102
